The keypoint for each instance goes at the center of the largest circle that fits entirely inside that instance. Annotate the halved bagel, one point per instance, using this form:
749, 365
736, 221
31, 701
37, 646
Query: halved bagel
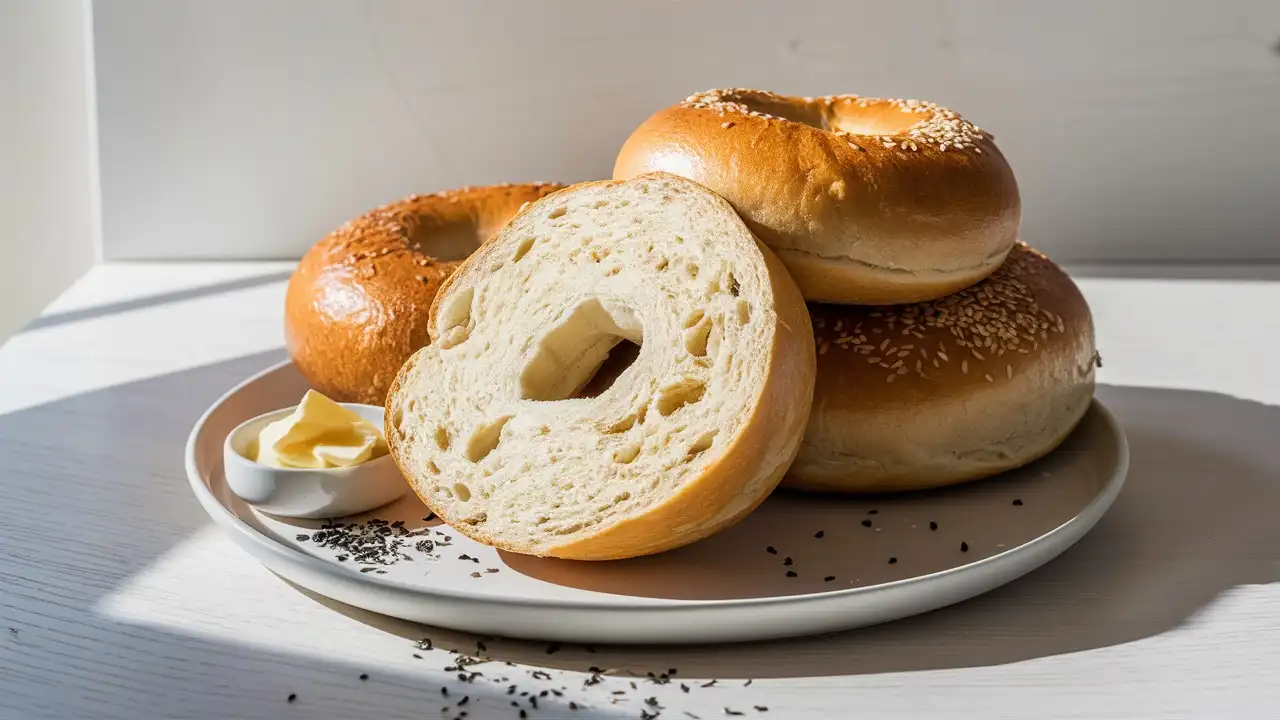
526, 423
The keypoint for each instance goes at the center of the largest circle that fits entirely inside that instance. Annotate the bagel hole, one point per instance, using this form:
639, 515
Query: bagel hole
874, 119
584, 354
448, 241
673, 397
485, 439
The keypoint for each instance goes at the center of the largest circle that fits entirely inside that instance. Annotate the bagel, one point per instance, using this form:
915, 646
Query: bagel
505, 427
356, 305
866, 200
924, 395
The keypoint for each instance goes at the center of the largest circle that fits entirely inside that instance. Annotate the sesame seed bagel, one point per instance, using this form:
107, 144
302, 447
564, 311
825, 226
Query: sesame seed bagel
356, 305
866, 200
924, 395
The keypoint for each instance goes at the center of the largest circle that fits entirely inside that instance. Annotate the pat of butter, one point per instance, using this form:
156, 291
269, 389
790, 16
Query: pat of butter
319, 433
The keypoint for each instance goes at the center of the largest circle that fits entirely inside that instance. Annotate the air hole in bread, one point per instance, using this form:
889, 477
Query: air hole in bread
432, 467
701, 445
695, 338
442, 438
662, 264
627, 454
558, 212
675, 396
522, 249
692, 270
731, 285
590, 348
628, 422
692, 318
485, 439
456, 318
462, 492
744, 311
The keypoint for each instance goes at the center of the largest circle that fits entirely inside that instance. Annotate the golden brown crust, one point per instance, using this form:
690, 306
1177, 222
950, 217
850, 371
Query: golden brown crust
866, 200
930, 394
356, 305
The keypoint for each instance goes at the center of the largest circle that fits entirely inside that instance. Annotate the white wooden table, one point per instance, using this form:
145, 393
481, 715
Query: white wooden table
118, 599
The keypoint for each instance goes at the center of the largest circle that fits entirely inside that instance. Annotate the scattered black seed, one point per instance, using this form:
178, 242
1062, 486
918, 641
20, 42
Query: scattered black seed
475, 574
964, 547
511, 690
866, 523
748, 682
792, 573
481, 646
819, 534
533, 703
651, 701
771, 550
691, 715
708, 684
292, 697
893, 560
762, 708
302, 538
557, 693
873, 512
540, 675
933, 525
462, 677
619, 692
672, 671
633, 685
425, 644
829, 578
544, 693
646, 715
684, 687
444, 691
787, 561
553, 648
465, 699
1017, 502
13, 631
364, 676
524, 714
464, 556
573, 705
728, 711
491, 570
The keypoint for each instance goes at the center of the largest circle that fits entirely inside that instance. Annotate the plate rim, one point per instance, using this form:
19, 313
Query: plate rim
230, 522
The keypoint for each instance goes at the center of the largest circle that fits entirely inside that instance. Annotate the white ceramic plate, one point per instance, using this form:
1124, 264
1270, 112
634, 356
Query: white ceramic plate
852, 562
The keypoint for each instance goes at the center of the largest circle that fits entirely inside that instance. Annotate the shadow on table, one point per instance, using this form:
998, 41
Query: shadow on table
1197, 517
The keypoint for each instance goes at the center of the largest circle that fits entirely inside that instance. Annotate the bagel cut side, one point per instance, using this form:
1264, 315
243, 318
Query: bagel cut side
623, 370
867, 200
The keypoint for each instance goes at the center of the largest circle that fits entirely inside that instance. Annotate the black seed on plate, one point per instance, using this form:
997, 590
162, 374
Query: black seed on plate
464, 556
533, 703
302, 538
481, 646
573, 705
829, 578
893, 560
964, 547
444, 691
465, 699
416, 655
791, 573
1017, 502
651, 701
708, 684
557, 693
491, 570
292, 697
866, 523
748, 683
771, 550
511, 690
524, 714
728, 711
364, 676
933, 525
787, 562
544, 693
672, 671
872, 512
762, 708
684, 687
475, 574
819, 534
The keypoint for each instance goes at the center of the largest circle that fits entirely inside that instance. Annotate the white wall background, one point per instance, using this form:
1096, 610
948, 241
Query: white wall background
46, 154
1139, 130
